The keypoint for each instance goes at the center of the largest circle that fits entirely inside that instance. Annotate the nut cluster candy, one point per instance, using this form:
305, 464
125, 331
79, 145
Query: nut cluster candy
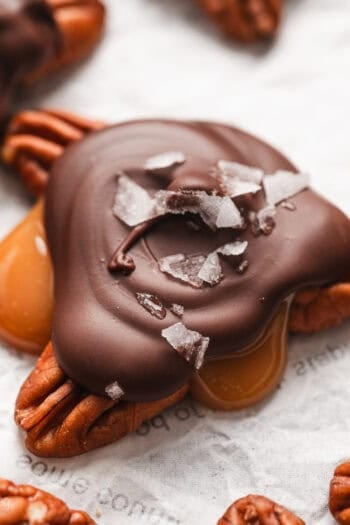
146, 234
38, 37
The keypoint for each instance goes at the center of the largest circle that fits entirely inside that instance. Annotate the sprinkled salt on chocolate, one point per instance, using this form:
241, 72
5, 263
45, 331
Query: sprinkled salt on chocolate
211, 271
191, 345
266, 219
183, 267
233, 249
220, 212
152, 304
177, 309
241, 171
288, 205
165, 162
114, 391
243, 267
284, 184
132, 204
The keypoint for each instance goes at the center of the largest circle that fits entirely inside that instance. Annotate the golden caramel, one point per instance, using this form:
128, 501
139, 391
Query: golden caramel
26, 285
249, 376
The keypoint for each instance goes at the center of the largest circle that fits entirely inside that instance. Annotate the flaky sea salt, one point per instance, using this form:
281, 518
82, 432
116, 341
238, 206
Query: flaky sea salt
288, 205
241, 171
177, 309
183, 267
233, 249
152, 304
132, 204
211, 271
114, 391
284, 184
191, 345
266, 219
164, 162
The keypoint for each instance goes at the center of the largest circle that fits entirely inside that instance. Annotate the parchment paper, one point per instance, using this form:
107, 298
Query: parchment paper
162, 58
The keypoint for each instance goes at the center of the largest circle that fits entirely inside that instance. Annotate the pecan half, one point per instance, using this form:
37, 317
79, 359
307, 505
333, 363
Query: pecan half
35, 139
23, 504
63, 420
319, 308
80, 24
339, 494
258, 510
245, 20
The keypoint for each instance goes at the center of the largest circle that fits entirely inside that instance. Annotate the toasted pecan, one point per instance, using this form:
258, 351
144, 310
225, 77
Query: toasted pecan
23, 504
339, 494
35, 139
63, 420
258, 510
245, 20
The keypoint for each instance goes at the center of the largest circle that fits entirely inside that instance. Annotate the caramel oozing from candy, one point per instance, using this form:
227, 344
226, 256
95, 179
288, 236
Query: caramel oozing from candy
249, 376
26, 285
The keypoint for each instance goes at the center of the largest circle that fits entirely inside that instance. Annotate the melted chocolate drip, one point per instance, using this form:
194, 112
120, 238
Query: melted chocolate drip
28, 36
100, 332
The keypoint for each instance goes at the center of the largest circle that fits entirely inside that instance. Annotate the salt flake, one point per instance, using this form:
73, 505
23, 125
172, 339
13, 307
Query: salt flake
240, 171
183, 267
114, 391
211, 271
152, 304
165, 162
191, 345
233, 249
177, 309
132, 204
284, 184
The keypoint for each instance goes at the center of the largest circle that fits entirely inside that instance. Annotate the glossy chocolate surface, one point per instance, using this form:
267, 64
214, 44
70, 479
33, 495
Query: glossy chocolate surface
101, 334
28, 36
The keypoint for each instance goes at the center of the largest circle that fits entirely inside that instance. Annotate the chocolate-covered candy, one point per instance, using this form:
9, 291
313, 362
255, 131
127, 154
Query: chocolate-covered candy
102, 335
28, 36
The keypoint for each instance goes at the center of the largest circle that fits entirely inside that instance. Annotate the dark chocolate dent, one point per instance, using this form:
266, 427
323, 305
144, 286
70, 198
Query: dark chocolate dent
28, 37
101, 332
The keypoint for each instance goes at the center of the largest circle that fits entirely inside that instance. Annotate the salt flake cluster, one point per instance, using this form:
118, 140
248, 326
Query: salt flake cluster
191, 345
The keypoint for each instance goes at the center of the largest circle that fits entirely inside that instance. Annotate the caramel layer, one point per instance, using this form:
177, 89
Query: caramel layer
26, 285
248, 376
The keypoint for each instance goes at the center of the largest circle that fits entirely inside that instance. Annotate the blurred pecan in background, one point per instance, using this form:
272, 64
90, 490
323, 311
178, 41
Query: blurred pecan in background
339, 494
35, 139
63, 420
23, 504
258, 510
80, 25
245, 20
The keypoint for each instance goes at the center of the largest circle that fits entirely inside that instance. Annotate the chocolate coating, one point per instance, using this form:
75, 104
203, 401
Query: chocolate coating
101, 334
28, 36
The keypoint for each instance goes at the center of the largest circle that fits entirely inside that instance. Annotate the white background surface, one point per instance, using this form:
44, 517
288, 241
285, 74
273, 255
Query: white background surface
162, 58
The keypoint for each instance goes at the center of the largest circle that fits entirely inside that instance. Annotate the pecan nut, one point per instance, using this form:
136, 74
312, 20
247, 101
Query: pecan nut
26, 504
63, 420
339, 494
320, 308
35, 139
245, 20
258, 510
